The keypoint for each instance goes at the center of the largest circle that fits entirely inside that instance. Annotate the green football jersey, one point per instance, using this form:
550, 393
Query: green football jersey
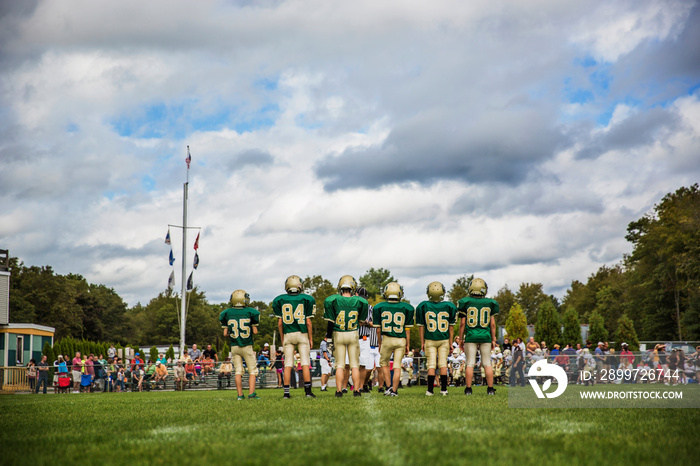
478, 313
240, 322
345, 312
436, 318
294, 309
393, 318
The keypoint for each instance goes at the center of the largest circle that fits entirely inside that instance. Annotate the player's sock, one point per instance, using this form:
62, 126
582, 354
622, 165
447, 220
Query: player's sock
443, 383
431, 382
286, 390
307, 387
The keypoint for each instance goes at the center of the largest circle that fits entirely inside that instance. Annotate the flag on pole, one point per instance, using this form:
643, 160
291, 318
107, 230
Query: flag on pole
196, 242
195, 263
190, 282
172, 258
167, 237
189, 157
171, 281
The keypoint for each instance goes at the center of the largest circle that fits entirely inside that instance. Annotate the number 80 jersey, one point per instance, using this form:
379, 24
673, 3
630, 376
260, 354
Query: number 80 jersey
240, 322
478, 313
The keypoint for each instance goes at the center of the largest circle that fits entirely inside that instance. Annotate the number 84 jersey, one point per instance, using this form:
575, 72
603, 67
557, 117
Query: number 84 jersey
478, 313
294, 309
436, 318
393, 318
240, 322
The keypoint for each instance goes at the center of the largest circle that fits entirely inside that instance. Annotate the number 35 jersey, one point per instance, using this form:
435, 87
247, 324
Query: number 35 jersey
294, 309
436, 318
240, 322
478, 313
393, 318
346, 312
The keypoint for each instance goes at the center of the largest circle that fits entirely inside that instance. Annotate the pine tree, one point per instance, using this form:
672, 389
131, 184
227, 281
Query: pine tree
153, 356
547, 327
626, 333
572, 328
170, 354
516, 324
596, 328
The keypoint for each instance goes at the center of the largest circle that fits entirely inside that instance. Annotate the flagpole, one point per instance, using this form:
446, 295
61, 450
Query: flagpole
183, 300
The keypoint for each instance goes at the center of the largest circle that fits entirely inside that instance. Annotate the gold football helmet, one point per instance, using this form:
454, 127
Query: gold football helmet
293, 284
393, 292
436, 292
347, 282
478, 287
240, 298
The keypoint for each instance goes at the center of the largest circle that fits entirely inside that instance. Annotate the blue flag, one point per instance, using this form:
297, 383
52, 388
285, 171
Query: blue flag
172, 258
196, 261
167, 237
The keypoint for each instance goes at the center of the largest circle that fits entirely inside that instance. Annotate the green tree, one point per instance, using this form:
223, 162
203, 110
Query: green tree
459, 288
505, 299
547, 327
596, 328
153, 354
320, 289
170, 354
374, 281
516, 325
626, 333
531, 296
572, 327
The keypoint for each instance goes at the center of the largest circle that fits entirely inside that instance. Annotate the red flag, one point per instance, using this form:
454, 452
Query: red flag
196, 242
189, 157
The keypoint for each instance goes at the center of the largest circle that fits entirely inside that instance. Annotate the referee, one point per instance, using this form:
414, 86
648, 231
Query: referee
369, 347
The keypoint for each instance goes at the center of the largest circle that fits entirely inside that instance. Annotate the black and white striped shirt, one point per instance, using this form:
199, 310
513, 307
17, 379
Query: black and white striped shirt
369, 332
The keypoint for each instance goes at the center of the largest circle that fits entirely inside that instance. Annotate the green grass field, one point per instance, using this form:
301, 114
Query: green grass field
211, 427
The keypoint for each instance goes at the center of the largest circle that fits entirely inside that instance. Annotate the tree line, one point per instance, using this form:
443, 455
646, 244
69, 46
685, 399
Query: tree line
652, 294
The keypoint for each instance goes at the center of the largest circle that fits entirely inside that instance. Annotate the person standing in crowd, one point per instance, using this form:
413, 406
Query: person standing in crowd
279, 367
240, 323
294, 311
210, 353
195, 353
42, 374
506, 344
225, 373
77, 371
325, 364
435, 319
31, 373
393, 319
517, 374
111, 352
599, 361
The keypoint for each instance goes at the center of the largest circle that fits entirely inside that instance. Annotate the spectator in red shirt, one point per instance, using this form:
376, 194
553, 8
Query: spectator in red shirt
137, 362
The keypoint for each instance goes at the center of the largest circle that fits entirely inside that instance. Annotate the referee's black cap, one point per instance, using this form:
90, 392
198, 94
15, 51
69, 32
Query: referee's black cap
362, 292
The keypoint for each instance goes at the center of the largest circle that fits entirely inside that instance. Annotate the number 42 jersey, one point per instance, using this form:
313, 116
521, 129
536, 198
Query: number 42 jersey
294, 309
478, 313
240, 322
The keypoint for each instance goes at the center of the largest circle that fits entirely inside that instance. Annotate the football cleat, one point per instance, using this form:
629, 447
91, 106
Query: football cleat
347, 282
478, 287
345, 390
253, 396
286, 395
393, 393
324, 389
393, 292
293, 284
338, 394
241, 398
468, 390
443, 393
387, 392
310, 395
436, 292
428, 393
490, 391
240, 298
356, 393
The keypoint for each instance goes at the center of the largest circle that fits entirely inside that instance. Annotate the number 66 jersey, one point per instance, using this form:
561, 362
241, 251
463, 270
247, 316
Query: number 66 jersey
478, 312
240, 322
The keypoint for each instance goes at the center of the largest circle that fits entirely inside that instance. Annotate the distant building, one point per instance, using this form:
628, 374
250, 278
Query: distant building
18, 342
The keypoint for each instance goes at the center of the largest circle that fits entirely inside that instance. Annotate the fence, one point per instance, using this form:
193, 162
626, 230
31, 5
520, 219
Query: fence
14, 379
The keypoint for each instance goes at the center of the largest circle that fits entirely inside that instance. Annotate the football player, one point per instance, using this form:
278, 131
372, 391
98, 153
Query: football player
240, 323
435, 319
344, 312
393, 319
477, 316
294, 311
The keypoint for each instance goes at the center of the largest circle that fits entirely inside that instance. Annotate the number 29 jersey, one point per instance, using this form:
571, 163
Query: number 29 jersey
294, 309
240, 322
478, 313
393, 318
436, 318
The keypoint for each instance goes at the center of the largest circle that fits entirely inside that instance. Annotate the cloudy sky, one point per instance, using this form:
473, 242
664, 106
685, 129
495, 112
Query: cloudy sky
513, 140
